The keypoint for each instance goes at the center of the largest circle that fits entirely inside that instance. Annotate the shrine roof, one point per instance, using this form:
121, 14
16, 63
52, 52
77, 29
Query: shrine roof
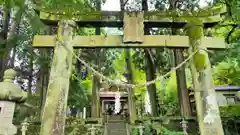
227, 88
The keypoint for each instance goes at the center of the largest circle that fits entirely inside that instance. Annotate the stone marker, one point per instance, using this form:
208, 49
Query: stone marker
10, 94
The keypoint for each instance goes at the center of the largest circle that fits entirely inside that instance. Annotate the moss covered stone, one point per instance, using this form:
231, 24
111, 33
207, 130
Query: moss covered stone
10, 91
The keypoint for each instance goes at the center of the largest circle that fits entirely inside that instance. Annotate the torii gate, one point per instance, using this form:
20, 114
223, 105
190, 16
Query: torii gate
53, 120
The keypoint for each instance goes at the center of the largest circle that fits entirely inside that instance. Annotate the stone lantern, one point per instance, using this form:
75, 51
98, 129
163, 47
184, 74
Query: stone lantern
10, 94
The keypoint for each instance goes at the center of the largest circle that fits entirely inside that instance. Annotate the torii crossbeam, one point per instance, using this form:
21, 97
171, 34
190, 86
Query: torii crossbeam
46, 41
137, 39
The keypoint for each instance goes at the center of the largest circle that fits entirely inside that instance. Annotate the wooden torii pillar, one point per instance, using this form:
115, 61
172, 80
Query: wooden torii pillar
133, 37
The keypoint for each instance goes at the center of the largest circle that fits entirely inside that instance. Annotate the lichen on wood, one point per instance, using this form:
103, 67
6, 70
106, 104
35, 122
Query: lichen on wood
46, 41
54, 113
204, 12
204, 80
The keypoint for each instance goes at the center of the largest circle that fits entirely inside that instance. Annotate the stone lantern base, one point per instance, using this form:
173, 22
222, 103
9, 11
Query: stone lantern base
6, 117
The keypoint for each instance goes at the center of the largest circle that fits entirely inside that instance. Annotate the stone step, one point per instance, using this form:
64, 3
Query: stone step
116, 128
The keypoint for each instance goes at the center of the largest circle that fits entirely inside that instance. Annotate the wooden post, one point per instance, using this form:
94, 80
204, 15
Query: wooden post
197, 94
54, 113
207, 107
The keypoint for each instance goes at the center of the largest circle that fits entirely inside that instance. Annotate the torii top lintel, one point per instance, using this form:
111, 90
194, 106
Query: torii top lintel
133, 24
174, 19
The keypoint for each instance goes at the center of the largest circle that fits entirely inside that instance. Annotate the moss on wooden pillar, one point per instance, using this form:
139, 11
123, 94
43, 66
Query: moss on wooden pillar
54, 113
207, 107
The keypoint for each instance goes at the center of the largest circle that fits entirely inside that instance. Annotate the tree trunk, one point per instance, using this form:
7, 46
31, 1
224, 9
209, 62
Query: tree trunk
152, 90
95, 97
30, 77
130, 79
96, 80
6, 60
4, 34
183, 95
54, 113
150, 70
131, 97
209, 118
182, 84
43, 76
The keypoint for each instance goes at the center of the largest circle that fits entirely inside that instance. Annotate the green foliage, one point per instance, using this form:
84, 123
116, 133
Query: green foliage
78, 94
168, 97
230, 111
162, 58
225, 73
67, 6
87, 84
120, 70
75, 126
148, 130
168, 132
135, 131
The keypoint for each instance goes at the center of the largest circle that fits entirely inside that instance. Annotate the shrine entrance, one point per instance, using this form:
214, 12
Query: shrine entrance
109, 111
133, 24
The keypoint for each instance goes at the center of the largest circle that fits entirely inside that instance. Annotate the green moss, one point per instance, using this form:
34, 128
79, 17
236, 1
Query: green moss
210, 14
194, 28
195, 32
208, 11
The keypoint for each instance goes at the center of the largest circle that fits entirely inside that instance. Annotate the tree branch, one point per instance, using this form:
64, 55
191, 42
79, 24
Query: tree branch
125, 3
230, 33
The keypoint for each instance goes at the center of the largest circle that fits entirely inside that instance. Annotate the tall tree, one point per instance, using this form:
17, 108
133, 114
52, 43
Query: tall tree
3, 35
130, 78
183, 95
9, 33
96, 79
150, 69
